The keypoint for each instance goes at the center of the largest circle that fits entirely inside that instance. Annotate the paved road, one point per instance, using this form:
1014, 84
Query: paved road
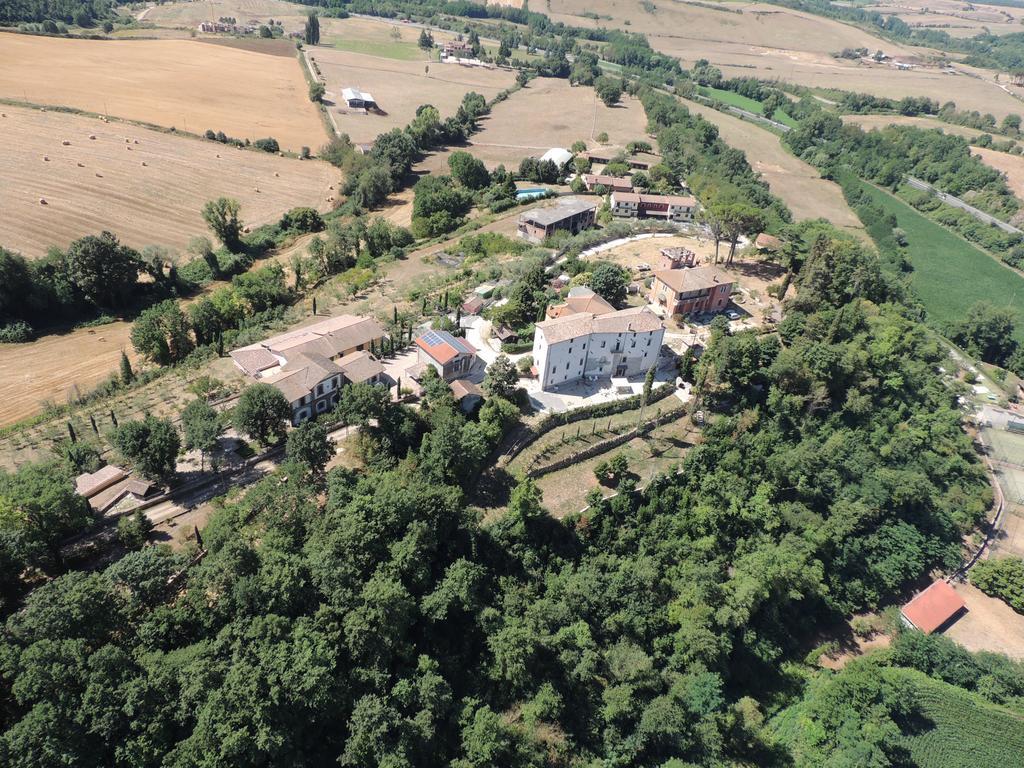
956, 202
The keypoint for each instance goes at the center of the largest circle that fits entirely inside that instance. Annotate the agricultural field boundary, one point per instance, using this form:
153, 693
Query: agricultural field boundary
941, 258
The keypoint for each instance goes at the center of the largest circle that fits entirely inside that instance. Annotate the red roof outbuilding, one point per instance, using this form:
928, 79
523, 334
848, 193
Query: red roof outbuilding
933, 607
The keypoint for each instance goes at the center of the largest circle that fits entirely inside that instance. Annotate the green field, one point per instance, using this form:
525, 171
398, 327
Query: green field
385, 49
949, 274
737, 100
961, 730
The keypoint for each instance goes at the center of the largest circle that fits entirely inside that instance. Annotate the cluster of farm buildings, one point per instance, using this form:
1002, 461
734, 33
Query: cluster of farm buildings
226, 28
573, 215
584, 337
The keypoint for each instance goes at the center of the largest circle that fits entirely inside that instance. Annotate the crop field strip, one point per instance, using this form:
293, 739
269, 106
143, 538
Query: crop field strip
942, 261
965, 732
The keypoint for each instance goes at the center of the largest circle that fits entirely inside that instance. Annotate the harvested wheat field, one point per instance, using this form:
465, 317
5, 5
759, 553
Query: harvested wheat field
146, 186
399, 88
801, 187
526, 124
191, 14
58, 365
956, 18
753, 40
174, 83
1012, 166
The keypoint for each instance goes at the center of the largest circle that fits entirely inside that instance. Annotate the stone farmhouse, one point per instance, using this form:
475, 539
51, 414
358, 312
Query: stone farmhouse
611, 183
569, 214
450, 356
691, 290
637, 205
311, 365
619, 343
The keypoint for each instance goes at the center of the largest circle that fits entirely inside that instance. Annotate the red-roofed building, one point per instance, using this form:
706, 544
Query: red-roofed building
933, 608
451, 356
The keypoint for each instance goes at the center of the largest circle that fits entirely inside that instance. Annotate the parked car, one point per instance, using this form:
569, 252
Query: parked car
732, 314
643, 267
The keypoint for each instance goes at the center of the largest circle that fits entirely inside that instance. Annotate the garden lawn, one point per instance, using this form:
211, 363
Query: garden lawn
738, 100
949, 274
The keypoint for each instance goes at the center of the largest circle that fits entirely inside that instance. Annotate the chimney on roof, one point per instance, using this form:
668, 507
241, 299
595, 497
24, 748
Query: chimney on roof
714, 278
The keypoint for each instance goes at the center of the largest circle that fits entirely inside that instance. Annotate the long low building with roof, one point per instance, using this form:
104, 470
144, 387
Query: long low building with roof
568, 214
611, 183
639, 205
310, 365
626, 342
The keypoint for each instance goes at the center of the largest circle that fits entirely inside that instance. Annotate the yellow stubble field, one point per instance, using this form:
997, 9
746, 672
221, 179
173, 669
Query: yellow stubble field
171, 83
770, 42
146, 186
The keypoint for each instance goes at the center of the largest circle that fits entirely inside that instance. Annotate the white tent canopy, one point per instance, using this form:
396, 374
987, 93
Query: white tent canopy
354, 94
557, 155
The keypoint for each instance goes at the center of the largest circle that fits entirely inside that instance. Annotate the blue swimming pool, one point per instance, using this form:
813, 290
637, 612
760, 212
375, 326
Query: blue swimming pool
526, 194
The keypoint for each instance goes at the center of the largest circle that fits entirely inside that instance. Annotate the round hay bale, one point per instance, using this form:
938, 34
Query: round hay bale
92, 137
42, 201
128, 148
218, 154
46, 158
99, 175
256, 189
135, 141
276, 173
81, 165
65, 143
127, 140
143, 162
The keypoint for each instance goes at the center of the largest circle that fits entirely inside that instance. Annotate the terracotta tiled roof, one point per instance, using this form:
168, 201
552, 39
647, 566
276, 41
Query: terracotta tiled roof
632, 320
89, 484
933, 607
360, 366
595, 179
768, 242
300, 375
692, 278
645, 199
443, 347
580, 299
463, 388
327, 338
253, 360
